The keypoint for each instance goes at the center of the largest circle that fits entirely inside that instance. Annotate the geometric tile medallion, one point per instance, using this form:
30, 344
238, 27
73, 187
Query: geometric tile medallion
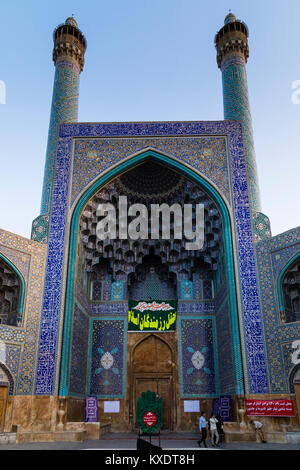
107, 355
198, 374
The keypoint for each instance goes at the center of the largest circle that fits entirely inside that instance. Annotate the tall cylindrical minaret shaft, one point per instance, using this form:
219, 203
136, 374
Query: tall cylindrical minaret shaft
68, 57
232, 55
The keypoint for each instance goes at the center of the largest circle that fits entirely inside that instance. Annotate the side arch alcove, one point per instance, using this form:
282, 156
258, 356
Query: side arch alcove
12, 291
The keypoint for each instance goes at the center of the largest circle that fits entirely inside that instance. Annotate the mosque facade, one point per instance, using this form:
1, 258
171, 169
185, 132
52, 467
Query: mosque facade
72, 322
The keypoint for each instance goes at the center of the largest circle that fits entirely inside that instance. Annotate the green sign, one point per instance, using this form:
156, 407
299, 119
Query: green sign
149, 412
153, 315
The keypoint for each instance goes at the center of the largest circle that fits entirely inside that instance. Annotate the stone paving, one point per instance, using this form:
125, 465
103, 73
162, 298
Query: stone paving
126, 441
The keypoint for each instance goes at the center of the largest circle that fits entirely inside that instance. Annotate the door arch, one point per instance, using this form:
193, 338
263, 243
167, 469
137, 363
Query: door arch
6, 388
18, 288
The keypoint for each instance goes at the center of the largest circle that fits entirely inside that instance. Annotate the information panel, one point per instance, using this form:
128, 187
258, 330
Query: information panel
111, 407
154, 315
191, 406
270, 408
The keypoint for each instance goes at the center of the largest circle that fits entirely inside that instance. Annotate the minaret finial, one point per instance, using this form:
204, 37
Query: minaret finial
72, 21
230, 18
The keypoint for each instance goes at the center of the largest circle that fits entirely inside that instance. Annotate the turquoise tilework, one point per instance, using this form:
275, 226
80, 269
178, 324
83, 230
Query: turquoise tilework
272, 256
237, 106
64, 108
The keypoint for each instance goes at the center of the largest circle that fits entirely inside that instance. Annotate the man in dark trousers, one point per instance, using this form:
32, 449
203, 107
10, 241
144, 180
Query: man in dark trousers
202, 429
220, 427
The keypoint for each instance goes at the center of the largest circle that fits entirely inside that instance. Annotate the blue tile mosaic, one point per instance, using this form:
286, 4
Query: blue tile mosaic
186, 290
272, 257
236, 106
107, 352
79, 352
64, 108
198, 371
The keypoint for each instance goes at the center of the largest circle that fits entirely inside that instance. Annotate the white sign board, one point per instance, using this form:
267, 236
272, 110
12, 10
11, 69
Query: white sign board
111, 407
191, 406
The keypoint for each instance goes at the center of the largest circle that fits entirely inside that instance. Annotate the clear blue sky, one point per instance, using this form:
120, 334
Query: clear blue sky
148, 60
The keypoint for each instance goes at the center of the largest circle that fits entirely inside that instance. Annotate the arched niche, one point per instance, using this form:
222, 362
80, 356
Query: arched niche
11, 293
289, 291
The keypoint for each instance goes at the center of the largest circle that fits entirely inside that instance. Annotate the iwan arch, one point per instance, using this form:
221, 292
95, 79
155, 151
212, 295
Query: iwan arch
72, 340
65, 386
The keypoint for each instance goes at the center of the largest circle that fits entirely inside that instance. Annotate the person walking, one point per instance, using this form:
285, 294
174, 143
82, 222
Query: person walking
220, 428
258, 426
202, 429
214, 435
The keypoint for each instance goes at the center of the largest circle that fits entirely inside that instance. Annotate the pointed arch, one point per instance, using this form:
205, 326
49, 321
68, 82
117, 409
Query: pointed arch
147, 338
282, 273
9, 377
21, 280
223, 206
294, 378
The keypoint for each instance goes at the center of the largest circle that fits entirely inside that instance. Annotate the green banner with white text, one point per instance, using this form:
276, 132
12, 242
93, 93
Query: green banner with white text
153, 315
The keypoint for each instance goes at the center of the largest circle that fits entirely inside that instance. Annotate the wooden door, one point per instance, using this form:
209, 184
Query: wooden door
164, 391
162, 386
152, 370
3, 402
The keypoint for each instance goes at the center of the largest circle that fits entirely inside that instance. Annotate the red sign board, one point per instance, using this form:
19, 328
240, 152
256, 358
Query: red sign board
149, 418
270, 408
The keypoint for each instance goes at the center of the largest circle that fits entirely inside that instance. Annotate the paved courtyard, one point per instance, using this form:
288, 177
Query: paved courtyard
128, 441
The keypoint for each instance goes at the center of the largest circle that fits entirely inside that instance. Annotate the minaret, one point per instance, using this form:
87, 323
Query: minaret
232, 54
68, 57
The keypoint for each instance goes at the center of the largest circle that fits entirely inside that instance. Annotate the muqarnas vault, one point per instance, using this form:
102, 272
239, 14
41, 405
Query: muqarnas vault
64, 293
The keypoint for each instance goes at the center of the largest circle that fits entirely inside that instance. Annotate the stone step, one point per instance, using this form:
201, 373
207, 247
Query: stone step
8, 437
233, 435
69, 436
50, 436
105, 428
71, 432
94, 430
275, 436
293, 437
